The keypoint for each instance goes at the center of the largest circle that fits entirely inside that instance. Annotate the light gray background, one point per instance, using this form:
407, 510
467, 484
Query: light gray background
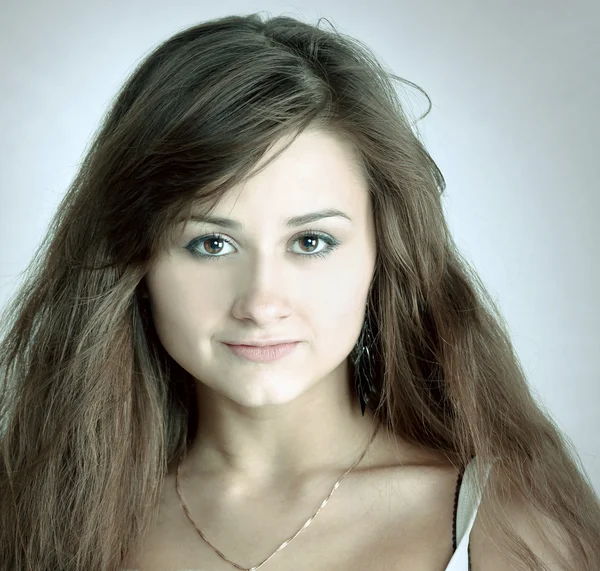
514, 127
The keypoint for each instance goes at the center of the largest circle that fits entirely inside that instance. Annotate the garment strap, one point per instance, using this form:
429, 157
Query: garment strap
466, 502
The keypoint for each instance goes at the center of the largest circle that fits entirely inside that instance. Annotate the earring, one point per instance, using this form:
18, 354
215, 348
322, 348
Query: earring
362, 358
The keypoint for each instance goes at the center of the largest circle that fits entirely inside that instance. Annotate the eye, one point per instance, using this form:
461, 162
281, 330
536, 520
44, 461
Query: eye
208, 243
309, 239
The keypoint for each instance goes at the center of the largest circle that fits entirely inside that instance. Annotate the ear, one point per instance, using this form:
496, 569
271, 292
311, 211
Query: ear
143, 289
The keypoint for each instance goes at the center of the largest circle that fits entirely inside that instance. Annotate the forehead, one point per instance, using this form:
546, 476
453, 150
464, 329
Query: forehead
318, 170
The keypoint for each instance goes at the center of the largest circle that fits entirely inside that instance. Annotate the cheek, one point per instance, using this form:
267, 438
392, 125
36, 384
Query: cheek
340, 316
344, 289
178, 310
343, 298
178, 291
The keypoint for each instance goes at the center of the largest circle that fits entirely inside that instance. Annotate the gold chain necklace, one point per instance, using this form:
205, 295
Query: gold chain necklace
287, 541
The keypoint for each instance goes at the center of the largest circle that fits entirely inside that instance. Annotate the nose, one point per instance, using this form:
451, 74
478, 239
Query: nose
266, 295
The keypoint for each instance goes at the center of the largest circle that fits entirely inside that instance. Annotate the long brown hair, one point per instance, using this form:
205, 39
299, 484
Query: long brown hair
93, 409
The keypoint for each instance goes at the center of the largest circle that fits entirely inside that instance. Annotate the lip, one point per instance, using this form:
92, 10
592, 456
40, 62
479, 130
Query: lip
261, 342
263, 354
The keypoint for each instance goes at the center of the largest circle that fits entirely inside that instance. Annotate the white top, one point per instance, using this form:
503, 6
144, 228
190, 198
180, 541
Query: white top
468, 502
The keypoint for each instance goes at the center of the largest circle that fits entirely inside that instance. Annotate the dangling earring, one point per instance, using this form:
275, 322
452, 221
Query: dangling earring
362, 358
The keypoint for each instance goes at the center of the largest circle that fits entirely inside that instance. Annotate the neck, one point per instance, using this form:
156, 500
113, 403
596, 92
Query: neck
322, 430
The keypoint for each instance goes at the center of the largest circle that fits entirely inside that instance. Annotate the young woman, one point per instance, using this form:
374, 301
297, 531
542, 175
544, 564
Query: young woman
250, 342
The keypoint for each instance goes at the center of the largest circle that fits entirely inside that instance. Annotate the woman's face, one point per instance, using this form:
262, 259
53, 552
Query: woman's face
269, 279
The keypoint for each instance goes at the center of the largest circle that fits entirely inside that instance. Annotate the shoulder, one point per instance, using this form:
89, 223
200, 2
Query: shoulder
486, 553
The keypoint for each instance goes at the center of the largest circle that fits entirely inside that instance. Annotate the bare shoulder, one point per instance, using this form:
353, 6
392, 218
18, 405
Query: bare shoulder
387, 515
486, 553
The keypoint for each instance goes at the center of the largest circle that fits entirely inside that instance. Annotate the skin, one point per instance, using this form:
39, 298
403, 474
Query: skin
264, 422
275, 437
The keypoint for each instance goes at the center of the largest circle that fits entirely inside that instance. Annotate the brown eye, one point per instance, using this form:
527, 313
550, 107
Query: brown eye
210, 247
309, 242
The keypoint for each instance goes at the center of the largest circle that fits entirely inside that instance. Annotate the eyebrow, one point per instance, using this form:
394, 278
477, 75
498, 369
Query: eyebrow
289, 223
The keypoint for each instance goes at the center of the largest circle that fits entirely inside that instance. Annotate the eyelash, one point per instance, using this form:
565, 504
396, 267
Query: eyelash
331, 242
